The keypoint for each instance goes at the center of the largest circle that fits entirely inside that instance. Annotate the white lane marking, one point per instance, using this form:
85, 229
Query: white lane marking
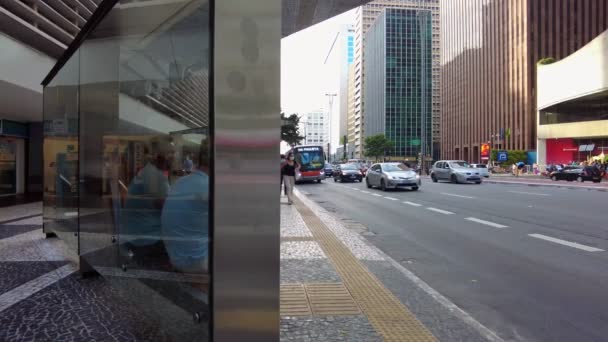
71, 213
487, 223
365, 192
355, 189
445, 212
20, 293
376, 195
391, 198
454, 195
528, 193
566, 243
412, 204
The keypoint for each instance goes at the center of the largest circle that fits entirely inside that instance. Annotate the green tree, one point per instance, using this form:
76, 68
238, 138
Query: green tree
290, 129
376, 145
546, 61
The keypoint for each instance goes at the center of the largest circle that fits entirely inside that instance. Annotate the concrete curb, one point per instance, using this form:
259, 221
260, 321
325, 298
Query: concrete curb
564, 186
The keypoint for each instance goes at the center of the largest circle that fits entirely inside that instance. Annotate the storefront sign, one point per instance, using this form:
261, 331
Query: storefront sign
485, 151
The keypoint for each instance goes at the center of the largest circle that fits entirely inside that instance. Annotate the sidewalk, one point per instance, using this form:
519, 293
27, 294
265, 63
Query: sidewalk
335, 286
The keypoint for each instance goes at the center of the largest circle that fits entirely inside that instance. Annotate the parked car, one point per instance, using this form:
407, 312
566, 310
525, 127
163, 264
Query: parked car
392, 176
347, 173
577, 173
483, 169
329, 170
455, 171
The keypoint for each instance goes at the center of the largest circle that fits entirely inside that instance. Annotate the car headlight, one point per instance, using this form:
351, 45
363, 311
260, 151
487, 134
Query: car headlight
417, 176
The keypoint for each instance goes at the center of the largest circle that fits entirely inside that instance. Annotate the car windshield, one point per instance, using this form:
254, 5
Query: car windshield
395, 167
460, 164
349, 167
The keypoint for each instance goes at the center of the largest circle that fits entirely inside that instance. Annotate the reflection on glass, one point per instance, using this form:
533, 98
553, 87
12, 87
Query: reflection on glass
185, 218
60, 151
141, 171
8, 166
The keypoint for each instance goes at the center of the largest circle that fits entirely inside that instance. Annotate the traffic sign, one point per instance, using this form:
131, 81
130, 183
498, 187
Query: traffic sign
502, 156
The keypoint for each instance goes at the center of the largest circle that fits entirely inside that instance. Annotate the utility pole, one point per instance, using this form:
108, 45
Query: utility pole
331, 97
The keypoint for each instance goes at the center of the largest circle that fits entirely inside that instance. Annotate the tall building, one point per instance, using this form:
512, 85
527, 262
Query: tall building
350, 115
490, 51
314, 126
347, 56
364, 18
398, 81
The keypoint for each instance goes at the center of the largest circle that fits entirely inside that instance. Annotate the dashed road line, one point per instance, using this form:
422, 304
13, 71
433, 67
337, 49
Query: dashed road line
391, 198
487, 223
445, 212
355, 189
365, 192
566, 243
528, 193
454, 195
376, 195
412, 204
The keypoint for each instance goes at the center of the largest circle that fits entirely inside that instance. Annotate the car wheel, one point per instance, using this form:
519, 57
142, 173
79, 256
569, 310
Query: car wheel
580, 179
454, 179
335, 180
369, 186
433, 178
478, 182
554, 178
383, 185
415, 188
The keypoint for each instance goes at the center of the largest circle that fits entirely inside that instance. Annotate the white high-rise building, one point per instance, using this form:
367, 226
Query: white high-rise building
314, 126
364, 18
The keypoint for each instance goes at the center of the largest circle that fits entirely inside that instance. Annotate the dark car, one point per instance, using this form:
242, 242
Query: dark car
329, 170
577, 173
347, 173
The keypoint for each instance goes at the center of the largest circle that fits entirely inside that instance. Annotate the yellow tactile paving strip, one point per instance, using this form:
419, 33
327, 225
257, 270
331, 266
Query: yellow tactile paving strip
389, 317
324, 299
331, 299
294, 301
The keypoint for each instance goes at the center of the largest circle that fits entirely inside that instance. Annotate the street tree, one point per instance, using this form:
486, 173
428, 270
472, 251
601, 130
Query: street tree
376, 146
290, 129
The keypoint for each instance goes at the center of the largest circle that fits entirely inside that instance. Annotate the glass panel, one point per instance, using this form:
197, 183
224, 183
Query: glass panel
145, 159
60, 151
8, 166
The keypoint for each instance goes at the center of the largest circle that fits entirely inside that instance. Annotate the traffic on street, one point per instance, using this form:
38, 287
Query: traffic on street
529, 262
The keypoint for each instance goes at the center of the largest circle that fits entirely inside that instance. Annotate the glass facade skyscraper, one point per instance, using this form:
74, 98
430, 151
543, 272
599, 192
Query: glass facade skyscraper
398, 81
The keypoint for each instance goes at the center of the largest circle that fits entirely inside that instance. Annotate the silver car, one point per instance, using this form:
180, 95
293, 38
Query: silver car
392, 176
455, 171
483, 169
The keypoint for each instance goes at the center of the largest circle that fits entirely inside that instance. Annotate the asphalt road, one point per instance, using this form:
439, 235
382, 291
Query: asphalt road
530, 263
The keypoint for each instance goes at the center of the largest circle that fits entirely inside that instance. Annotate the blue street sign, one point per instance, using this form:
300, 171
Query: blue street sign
502, 156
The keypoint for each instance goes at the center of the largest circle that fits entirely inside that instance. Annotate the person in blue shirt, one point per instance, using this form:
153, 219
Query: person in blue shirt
140, 219
185, 219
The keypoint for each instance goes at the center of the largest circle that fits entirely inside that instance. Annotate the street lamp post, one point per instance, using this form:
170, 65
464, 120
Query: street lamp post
331, 103
422, 20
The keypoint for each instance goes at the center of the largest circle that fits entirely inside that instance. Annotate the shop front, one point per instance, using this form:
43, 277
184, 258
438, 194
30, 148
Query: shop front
572, 99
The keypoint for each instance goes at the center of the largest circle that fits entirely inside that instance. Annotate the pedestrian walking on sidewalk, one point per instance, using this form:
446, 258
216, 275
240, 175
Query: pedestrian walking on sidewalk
289, 176
283, 160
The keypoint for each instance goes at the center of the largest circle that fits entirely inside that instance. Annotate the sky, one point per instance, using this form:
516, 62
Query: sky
305, 78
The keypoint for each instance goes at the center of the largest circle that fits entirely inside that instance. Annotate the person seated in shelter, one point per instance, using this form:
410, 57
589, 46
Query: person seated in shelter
140, 217
185, 218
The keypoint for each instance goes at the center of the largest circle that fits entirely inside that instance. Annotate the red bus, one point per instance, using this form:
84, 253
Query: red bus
312, 161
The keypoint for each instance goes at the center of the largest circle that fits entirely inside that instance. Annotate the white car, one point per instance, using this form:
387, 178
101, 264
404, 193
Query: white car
483, 169
392, 176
